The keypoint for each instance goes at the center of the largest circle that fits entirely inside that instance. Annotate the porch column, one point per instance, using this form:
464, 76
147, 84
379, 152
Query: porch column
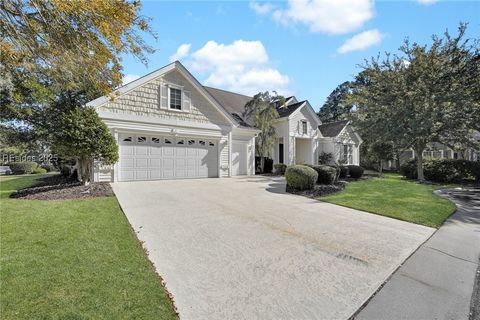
312, 144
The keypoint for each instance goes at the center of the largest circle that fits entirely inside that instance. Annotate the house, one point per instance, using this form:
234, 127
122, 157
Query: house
436, 150
169, 126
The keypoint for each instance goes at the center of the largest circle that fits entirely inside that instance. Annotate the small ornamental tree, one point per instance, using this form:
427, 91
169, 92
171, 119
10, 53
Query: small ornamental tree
83, 136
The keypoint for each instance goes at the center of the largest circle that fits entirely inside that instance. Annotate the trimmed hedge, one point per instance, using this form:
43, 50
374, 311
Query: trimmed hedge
343, 171
326, 174
66, 171
23, 167
300, 177
443, 170
39, 171
279, 168
355, 172
48, 167
408, 169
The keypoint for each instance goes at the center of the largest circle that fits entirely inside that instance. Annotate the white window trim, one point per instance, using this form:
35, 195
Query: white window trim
302, 124
349, 153
169, 86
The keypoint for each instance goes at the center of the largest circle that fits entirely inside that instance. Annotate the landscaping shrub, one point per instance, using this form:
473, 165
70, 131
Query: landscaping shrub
24, 167
443, 170
48, 167
39, 170
300, 177
280, 168
408, 169
66, 171
343, 171
326, 174
355, 172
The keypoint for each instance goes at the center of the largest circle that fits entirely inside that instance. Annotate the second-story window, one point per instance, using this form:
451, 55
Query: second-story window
304, 127
175, 99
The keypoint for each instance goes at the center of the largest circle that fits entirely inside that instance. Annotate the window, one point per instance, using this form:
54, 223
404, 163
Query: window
181, 141
175, 99
211, 144
167, 141
141, 139
191, 142
347, 154
155, 140
128, 139
304, 127
201, 142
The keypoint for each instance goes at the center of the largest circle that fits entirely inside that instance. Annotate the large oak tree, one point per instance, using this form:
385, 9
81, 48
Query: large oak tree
427, 93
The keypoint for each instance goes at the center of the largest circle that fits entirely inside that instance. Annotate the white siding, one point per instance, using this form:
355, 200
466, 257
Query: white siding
295, 123
224, 156
145, 101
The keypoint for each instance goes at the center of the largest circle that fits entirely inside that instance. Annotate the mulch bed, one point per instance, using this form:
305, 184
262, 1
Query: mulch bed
320, 190
57, 187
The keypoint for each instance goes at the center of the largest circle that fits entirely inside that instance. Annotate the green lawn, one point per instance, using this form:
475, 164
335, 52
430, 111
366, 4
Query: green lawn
395, 197
73, 259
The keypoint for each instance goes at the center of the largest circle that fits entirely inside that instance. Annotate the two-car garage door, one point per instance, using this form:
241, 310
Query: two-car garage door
155, 157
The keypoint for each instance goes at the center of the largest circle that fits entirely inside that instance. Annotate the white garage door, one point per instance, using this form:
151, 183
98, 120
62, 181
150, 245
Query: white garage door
239, 158
155, 157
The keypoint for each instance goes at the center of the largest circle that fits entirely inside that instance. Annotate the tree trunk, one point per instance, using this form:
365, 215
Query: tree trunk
419, 151
84, 169
381, 167
262, 164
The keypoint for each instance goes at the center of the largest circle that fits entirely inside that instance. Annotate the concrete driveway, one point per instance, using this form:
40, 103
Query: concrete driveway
240, 248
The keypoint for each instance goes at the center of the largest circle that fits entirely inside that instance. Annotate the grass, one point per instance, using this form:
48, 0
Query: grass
73, 259
395, 197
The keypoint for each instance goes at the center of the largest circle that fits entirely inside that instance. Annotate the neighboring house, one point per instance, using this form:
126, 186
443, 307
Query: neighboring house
169, 126
436, 150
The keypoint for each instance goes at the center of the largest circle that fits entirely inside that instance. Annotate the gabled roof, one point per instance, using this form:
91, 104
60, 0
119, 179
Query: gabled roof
233, 103
153, 75
332, 129
287, 110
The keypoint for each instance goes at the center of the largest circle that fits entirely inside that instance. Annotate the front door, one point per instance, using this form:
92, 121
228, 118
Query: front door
280, 153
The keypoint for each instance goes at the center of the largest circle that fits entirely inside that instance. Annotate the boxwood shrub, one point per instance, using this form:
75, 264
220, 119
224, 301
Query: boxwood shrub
23, 167
279, 168
355, 172
300, 177
408, 169
343, 171
326, 174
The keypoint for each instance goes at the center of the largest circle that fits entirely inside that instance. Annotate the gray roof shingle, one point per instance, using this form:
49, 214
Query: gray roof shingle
332, 129
287, 110
234, 103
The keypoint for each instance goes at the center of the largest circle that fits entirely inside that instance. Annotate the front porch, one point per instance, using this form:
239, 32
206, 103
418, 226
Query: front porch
295, 150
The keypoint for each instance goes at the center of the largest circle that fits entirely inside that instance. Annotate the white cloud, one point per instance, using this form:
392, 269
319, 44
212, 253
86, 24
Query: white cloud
241, 66
326, 16
129, 78
426, 2
260, 8
361, 41
181, 52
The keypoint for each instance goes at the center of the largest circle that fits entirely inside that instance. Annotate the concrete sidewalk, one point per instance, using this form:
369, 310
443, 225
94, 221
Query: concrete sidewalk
437, 281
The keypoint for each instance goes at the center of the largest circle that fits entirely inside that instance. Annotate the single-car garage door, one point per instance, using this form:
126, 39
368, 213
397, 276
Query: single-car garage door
155, 157
239, 158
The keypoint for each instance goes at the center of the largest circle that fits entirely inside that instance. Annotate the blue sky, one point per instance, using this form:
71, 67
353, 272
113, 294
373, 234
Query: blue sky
305, 48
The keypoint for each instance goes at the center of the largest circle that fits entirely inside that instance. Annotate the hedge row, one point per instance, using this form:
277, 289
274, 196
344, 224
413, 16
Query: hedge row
300, 178
443, 170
